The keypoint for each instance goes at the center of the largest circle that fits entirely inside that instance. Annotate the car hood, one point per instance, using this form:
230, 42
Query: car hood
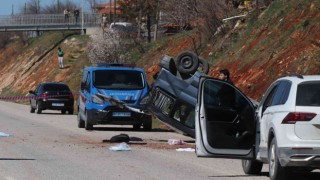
126, 96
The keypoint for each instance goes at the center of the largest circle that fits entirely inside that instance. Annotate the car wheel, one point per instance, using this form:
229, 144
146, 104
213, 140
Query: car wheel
203, 65
39, 110
70, 111
168, 63
187, 62
63, 111
136, 126
87, 125
251, 166
276, 171
81, 123
147, 123
32, 110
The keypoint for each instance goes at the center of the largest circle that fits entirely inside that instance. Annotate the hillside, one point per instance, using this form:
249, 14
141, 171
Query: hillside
284, 38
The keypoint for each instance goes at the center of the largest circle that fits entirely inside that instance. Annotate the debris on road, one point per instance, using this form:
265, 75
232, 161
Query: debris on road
176, 142
4, 134
120, 147
120, 138
186, 150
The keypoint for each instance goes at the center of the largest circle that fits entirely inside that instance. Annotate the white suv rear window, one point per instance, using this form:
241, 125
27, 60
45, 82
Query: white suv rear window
308, 94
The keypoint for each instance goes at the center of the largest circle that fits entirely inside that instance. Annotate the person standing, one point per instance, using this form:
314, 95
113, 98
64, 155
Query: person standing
66, 15
60, 57
76, 14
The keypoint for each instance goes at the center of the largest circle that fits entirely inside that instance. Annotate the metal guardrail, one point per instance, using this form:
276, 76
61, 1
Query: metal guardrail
31, 22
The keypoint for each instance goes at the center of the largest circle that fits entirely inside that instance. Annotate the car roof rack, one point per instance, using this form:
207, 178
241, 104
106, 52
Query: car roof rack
294, 75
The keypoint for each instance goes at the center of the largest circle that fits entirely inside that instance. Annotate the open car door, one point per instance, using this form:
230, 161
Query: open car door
225, 121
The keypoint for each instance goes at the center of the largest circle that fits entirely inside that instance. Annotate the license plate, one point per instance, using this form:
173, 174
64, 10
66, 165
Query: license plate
58, 104
121, 114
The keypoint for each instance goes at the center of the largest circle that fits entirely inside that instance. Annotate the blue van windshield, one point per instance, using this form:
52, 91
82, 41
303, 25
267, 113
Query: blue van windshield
118, 79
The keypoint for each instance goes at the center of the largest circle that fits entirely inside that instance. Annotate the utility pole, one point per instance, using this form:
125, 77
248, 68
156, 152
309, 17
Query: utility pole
38, 7
58, 6
110, 7
12, 11
82, 20
115, 10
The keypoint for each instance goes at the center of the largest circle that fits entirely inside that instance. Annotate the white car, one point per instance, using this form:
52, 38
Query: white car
283, 130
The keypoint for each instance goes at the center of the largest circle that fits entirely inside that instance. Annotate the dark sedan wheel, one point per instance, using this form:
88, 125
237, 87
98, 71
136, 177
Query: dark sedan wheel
32, 110
63, 111
39, 110
70, 111
187, 62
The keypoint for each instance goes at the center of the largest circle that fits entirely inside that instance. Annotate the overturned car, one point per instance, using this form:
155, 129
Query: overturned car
173, 95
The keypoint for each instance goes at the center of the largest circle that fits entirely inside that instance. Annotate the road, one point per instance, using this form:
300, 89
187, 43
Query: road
51, 146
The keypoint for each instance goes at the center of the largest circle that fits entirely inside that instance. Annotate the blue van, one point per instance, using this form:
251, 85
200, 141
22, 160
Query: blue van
121, 82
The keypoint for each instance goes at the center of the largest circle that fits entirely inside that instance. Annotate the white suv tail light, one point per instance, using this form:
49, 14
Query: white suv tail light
293, 117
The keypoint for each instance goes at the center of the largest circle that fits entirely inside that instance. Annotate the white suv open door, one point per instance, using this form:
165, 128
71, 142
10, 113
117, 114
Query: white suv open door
225, 121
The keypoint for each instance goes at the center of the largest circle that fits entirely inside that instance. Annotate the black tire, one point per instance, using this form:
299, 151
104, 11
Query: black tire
187, 62
63, 111
136, 126
39, 110
70, 111
81, 123
87, 125
147, 123
32, 110
203, 65
167, 62
252, 167
276, 171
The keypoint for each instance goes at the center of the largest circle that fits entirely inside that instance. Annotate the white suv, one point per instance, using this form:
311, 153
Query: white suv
283, 130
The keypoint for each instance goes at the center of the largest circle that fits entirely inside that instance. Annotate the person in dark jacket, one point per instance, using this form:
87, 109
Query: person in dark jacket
60, 57
224, 75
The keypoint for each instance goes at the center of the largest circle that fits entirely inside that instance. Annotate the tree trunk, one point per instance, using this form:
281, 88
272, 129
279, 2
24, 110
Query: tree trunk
149, 27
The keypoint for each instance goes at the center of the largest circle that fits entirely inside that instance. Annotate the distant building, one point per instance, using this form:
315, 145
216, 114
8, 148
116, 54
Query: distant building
107, 8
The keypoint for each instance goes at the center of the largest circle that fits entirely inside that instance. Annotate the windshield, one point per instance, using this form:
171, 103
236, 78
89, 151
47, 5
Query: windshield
118, 79
55, 87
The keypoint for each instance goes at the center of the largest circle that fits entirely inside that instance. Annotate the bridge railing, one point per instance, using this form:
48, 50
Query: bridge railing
48, 19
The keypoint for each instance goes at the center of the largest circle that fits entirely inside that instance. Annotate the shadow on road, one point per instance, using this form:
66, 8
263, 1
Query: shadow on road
16, 159
294, 176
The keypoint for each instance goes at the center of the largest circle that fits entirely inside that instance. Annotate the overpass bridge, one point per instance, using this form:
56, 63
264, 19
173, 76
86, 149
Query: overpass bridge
48, 22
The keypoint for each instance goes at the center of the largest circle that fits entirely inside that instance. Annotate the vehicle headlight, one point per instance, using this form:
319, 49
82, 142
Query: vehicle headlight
97, 100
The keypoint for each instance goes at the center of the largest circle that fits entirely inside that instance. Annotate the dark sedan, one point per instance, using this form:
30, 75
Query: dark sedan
53, 96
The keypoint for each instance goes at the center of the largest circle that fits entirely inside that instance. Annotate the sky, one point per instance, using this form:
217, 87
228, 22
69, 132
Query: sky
6, 6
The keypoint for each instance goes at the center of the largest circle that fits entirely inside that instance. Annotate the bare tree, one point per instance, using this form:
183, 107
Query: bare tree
92, 4
180, 12
107, 47
31, 7
58, 6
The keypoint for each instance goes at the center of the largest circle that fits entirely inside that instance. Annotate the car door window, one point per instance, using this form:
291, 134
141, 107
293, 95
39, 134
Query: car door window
229, 116
281, 93
269, 96
38, 89
87, 82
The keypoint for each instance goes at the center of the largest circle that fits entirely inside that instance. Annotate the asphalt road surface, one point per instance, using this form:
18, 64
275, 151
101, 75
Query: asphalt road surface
51, 146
